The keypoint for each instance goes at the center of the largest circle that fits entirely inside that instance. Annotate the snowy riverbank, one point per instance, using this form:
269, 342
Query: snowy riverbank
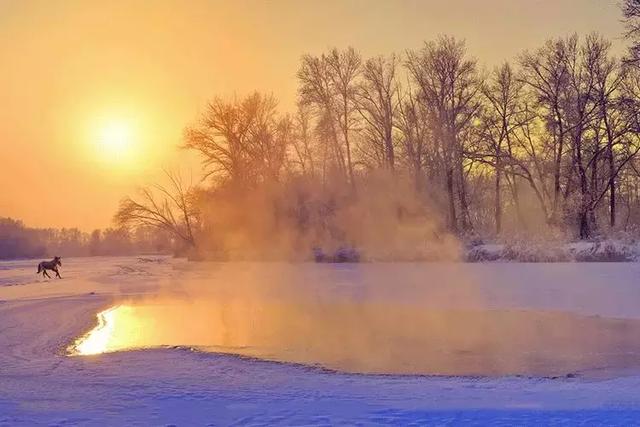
41, 384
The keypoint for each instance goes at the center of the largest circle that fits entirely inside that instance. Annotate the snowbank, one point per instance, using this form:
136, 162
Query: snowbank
583, 251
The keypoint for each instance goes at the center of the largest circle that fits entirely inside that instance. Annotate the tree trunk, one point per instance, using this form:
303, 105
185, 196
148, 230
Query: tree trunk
347, 144
558, 165
612, 168
453, 220
583, 220
612, 184
464, 206
389, 147
498, 201
498, 206
585, 197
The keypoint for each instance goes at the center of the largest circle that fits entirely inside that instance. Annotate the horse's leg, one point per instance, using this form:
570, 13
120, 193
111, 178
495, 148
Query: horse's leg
44, 273
57, 273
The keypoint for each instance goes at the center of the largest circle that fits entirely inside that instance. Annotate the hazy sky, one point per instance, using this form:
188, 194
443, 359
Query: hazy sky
76, 73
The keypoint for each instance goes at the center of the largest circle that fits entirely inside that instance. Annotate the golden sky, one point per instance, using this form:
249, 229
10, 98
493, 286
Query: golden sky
74, 74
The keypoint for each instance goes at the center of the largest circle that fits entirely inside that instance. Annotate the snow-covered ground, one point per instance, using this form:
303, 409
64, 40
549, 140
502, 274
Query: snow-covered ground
40, 384
607, 250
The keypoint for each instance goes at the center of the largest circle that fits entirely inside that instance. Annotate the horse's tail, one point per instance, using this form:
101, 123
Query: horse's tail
39, 268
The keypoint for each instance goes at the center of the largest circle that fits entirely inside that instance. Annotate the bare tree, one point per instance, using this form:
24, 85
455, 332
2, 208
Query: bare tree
612, 117
328, 84
501, 120
416, 139
448, 85
377, 102
303, 143
169, 208
581, 106
545, 72
241, 140
577, 89
344, 69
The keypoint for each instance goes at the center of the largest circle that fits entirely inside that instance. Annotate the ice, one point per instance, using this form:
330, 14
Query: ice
40, 384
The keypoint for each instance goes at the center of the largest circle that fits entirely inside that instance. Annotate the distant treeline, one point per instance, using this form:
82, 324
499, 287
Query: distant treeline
20, 241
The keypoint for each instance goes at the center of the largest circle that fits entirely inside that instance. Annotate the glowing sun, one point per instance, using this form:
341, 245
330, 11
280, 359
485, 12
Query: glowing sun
116, 139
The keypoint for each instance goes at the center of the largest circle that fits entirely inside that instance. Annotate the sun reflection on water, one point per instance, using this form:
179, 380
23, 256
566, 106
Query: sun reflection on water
97, 339
371, 338
109, 334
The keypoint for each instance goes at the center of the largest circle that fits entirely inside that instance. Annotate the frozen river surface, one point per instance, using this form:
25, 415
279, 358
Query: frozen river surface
270, 344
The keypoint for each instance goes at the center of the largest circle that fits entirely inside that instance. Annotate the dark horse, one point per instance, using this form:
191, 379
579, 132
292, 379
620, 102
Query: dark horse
50, 265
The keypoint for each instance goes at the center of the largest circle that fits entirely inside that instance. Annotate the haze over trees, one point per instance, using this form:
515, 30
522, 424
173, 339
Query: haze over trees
401, 154
20, 241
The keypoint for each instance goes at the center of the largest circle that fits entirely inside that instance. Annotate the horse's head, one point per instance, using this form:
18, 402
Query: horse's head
57, 260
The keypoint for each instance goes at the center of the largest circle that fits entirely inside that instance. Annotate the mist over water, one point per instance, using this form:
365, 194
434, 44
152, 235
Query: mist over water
383, 319
386, 220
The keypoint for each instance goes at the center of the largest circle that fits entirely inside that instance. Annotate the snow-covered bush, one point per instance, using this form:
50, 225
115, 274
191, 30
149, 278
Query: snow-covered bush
482, 253
536, 252
603, 251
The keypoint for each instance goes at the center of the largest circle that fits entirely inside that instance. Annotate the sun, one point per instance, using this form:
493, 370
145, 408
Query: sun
115, 139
